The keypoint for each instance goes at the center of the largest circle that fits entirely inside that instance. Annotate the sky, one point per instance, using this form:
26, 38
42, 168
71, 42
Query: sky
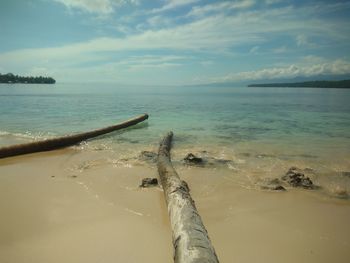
174, 42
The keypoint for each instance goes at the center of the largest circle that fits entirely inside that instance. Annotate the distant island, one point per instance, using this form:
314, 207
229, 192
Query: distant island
341, 84
11, 78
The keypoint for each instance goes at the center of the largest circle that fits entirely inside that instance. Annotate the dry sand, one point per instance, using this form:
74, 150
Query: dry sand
77, 206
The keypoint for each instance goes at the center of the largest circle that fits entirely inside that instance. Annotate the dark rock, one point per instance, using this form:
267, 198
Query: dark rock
347, 174
279, 188
148, 156
149, 182
206, 161
272, 184
192, 159
273, 187
296, 178
221, 161
245, 154
185, 185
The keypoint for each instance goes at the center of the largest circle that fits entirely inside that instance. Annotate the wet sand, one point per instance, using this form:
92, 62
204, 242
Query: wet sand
78, 206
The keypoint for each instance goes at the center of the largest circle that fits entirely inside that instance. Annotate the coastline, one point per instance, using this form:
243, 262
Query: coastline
77, 205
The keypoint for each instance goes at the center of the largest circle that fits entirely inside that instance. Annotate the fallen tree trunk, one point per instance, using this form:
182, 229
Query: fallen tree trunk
60, 142
190, 238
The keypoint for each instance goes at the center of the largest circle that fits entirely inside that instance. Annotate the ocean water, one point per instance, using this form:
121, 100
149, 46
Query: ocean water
256, 132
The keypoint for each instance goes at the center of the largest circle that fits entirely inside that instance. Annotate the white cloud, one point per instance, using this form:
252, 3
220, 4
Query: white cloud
209, 35
337, 67
213, 34
95, 6
303, 41
272, 2
279, 50
254, 49
159, 21
220, 7
172, 4
135, 63
151, 61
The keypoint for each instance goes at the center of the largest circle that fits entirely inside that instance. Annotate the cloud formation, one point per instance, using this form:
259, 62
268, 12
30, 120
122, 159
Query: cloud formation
337, 67
219, 38
220, 7
172, 4
95, 6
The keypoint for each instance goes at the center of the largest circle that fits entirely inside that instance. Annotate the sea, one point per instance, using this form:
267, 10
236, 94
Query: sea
252, 133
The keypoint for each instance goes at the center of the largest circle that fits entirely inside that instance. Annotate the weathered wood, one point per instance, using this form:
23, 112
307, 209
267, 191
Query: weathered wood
60, 142
190, 238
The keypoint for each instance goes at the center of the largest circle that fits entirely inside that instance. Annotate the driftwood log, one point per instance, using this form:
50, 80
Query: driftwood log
60, 142
190, 238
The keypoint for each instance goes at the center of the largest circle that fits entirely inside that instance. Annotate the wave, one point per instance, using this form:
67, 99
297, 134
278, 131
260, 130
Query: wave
27, 135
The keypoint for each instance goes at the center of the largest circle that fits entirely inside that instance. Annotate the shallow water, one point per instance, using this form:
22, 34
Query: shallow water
261, 131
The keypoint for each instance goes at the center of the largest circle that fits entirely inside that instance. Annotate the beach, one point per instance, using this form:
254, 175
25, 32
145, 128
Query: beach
50, 214
178, 131
54, 212
84, 204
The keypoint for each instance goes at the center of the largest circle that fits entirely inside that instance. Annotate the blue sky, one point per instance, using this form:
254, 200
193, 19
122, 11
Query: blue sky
174, 41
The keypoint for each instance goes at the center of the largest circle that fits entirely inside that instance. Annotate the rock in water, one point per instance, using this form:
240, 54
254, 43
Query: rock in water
296, 178
149, 182
192, 159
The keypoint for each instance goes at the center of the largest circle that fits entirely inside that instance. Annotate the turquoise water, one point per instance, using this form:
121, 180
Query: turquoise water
219, 115
262, 130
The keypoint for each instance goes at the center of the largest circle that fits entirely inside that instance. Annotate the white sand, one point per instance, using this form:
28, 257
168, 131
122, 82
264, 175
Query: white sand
71, 206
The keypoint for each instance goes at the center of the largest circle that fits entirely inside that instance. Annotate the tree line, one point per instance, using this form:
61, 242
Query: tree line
11, 78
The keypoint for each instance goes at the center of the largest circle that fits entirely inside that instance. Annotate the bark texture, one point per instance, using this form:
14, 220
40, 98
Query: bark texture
190, 238
60, 142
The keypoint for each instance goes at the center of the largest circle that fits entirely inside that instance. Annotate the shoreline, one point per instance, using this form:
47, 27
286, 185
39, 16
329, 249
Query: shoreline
77, 204
250, 163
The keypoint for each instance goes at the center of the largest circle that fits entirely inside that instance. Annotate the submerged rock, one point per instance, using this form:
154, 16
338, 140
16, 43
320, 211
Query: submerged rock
192, 159
296, 178
207, 161
149, 182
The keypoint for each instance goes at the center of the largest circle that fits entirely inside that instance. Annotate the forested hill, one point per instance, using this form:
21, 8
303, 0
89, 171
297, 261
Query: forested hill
341, 84
11, 78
